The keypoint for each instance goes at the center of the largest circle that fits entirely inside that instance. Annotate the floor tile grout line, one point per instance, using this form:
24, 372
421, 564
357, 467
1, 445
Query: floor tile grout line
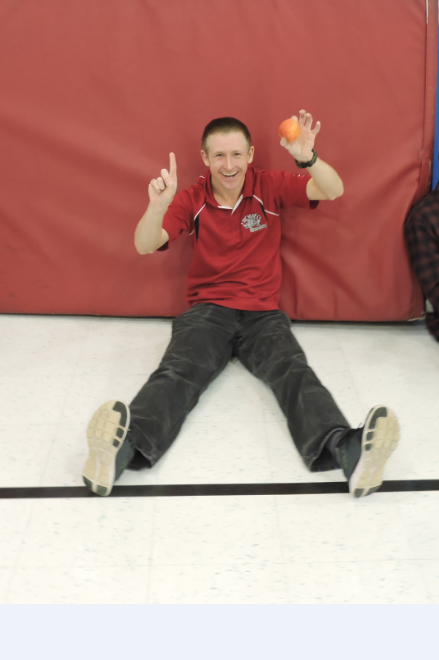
300, 562
266, 434
283, 552
66, 398
412, 547
151, 555
352, 378
133, 565
277, 513
16, 566
5, 328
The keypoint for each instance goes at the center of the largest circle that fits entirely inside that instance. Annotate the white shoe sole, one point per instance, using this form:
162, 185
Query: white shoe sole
105, 435
379, 439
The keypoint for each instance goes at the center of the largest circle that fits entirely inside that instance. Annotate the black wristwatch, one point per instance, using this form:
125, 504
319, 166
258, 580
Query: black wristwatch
309, 163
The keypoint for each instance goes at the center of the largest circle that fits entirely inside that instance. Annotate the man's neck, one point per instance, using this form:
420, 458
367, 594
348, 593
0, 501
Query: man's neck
224, 198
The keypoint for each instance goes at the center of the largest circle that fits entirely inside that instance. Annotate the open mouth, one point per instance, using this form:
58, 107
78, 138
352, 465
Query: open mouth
229, 176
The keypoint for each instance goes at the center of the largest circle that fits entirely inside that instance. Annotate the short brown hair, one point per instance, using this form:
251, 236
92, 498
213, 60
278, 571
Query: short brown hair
225, 125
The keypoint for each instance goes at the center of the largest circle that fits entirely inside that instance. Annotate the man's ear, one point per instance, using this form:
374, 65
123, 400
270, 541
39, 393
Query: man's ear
251, 153
205, 158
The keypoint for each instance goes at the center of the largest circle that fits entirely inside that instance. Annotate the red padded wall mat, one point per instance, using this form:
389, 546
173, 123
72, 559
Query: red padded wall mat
94, 95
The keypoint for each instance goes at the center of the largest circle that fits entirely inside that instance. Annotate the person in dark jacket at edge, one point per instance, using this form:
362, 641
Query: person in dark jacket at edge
421, 231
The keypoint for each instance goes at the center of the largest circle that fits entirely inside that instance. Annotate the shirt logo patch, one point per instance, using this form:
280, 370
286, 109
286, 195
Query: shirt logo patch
253, 222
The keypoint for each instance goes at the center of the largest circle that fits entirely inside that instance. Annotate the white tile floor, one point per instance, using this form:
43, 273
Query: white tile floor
55, 371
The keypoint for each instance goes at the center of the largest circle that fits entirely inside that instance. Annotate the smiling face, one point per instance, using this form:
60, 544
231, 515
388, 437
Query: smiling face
228, 155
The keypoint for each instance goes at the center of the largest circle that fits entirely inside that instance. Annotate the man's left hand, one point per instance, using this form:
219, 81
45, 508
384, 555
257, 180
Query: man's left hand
301, 149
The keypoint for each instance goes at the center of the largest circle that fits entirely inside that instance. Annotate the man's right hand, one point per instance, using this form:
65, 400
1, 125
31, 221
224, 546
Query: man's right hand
162, 190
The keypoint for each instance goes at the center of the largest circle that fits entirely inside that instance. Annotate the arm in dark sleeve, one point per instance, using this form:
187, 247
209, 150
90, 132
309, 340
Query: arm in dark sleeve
421, 232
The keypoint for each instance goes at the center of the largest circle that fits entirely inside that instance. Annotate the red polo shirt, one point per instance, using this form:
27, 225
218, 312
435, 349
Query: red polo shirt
236, 261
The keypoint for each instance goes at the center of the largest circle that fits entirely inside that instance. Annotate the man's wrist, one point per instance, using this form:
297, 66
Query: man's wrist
159, 207
307, 163
304, 158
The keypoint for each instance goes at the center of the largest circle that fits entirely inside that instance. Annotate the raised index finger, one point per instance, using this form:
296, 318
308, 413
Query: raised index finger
172, 165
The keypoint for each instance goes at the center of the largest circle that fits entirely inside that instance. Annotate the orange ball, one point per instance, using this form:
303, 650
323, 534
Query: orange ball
290, 130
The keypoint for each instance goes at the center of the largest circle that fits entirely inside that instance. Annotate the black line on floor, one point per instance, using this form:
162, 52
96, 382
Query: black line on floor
206, 490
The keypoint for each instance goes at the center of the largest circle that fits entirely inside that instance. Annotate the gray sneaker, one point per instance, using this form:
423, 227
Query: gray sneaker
109, 448
362, 453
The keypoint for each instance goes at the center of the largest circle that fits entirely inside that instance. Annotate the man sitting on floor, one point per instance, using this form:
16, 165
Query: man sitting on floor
232, 215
